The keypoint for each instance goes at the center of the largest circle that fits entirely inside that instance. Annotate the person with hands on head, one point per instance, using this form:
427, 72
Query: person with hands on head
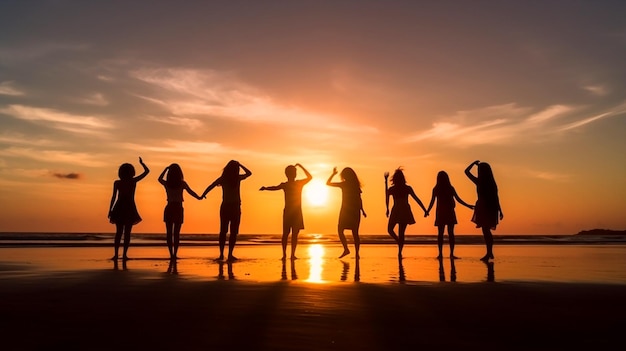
230, 209
487, 211
173, 214
293, 220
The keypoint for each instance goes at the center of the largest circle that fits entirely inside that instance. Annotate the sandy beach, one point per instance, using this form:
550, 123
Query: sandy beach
71, 300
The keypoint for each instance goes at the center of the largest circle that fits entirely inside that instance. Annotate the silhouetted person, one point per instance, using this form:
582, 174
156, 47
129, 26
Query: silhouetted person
173, 215
351, 207
230, 210
293, 220
487, 211
401, 274
401, 213
445, 215
123, 210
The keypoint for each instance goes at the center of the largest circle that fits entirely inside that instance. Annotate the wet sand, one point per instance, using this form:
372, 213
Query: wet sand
134, 310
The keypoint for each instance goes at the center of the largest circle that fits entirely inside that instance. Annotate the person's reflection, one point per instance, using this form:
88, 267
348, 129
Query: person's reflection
442, 271
491, 275
283, 273
220, 274
452, 270
357, 270
294, 274
172, 268
116, 266
345, 271
401, 276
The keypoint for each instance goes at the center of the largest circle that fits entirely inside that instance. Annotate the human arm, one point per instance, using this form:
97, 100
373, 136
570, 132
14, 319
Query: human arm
190, 191
387, 193
308, 175
458, 198
162, 175
329, 181
468, 171
246, 174
113, 196
210, 187
145, 171
430, 205
419, 202
271, 188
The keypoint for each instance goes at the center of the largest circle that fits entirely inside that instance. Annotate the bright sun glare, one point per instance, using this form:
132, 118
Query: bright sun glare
316, 193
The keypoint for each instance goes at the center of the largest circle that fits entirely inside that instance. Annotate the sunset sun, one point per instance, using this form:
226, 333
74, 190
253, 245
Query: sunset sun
316, 193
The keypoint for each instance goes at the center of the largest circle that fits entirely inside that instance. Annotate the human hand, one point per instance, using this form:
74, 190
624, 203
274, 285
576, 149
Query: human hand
476, 162
387, 214
140, 160
426, 214
386, 175
334, 170
262, 188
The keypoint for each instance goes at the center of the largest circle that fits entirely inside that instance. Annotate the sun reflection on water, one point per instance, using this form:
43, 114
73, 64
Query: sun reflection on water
316, 263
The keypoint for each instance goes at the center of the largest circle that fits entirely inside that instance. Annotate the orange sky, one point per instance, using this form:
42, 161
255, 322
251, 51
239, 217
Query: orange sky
87, 86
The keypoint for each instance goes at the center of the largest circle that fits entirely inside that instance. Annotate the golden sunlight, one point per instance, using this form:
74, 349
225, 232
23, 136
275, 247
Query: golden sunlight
316, 263
316, 193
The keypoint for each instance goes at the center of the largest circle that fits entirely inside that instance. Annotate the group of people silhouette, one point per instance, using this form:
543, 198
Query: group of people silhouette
487, 210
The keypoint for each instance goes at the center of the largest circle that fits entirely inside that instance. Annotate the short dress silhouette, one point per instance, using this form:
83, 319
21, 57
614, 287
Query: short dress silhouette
401, 210
444, 213
125, 210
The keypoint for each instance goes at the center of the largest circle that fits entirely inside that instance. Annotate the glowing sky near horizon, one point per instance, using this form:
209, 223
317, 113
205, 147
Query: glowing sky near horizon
538, 90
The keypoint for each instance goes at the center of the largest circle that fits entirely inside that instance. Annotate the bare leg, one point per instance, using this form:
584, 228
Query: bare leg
127, 229
440, 229
119, 229
451, 239
390, 226
357, 241
488, 243
284, 240
177, 227
294, 243
401, 230
168, 238
344, 242
232, 239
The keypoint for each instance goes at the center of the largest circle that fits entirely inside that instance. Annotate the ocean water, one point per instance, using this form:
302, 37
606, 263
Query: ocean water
520, 259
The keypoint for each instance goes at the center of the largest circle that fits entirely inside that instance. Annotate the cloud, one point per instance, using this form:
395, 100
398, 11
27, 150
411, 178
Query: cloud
67, 175
95, 99
508, 123
190, 123
211, 94
7, 88
54, 156
597, 90
57, 119
549, 176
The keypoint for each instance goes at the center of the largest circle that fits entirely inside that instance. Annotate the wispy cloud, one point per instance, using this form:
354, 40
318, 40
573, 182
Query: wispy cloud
96, 99
54, 156
548, 175
190, 123
8, 88
598, 90
57, 119
211, 94
508, 124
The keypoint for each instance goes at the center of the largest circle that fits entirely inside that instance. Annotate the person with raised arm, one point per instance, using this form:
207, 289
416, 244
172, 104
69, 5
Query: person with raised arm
351, 207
